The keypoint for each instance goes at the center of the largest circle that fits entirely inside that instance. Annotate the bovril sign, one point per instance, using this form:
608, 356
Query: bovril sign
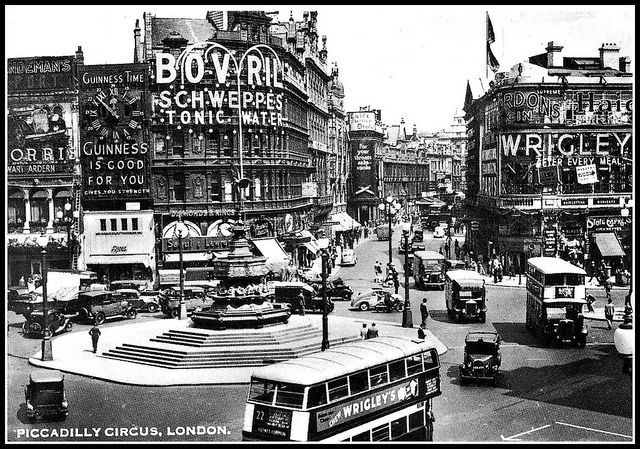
608, 223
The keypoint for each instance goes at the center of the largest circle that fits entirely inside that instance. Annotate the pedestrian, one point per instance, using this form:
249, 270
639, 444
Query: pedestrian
396, 282
590, 300
607, 287
493, 269
301, 303
421, 334
372, 332
627, 300
21, 282
447, 250
609, 310
95, 336
377, 268
457, 249
424, 312
363, 331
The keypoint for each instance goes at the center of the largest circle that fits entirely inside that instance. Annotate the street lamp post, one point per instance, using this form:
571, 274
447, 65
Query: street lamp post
181, 231
47, 350
390, 207
407, 319
624, 341
68, 220
324, 254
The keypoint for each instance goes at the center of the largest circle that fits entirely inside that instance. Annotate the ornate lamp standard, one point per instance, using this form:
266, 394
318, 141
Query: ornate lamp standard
624, 340
407, 319
391, 206
324, 254
68, 219
47, 350
181, 231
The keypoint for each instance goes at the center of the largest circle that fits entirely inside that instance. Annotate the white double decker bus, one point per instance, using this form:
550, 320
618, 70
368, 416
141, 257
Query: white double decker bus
375, 390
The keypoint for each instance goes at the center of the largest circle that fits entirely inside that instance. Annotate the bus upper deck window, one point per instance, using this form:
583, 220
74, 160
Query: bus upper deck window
378, 376
262, 391
359, 382
290, 395
575, 279
430, 359
396, 370
414, 364
317, 395
338, 389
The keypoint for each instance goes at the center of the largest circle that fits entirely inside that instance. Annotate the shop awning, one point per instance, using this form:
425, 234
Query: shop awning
312, 246
188, 257
272, 250
608, 244
346, 222
121, 259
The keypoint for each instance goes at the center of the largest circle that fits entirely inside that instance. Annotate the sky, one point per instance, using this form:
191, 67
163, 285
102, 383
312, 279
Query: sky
412, 62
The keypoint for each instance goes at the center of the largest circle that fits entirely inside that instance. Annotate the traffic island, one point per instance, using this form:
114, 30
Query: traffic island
174, 352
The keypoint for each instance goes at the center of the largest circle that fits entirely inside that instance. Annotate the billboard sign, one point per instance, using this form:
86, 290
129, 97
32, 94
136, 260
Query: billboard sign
362, 121
587, 174
40, 74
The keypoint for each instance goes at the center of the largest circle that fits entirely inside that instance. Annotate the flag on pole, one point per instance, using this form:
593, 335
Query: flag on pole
492, 62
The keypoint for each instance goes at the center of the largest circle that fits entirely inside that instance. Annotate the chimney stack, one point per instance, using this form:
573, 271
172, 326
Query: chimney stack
552, 59
136, 42
216, 19
79, 56
609, 56
625, 64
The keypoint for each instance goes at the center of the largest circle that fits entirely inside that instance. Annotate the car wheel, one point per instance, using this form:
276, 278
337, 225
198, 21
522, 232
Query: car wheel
364, 306
99, 319
152, 308
346, 297
68, 326
132, 314
399, 307
174, 313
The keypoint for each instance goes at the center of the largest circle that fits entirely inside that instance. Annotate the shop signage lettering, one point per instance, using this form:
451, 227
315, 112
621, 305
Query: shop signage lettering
359, 121
368, 404
118, 249
272, 421
180, 103
196, 244
42, 73
608, 223
363, 156
565, 144
202, 212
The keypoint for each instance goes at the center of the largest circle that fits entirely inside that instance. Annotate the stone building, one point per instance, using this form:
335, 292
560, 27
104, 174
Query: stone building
549, 164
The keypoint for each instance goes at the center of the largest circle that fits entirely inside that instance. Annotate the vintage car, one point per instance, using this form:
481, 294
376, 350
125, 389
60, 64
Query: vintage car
402, 247
454, 264
481, 356
428, 269
97, 306
390, 303
369, 299
337, 290
418, 235
20, 300
194, 297
465, 295
45, 397
144, 301
24, 306
287, 293
348, 258
439, 232
134, 284
56, 322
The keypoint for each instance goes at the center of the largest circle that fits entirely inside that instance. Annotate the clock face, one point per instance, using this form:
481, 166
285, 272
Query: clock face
114, 113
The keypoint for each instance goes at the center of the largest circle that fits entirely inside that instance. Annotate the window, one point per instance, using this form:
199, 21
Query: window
338, 389
317, 396
178, 143
396, 370
179, 188
123, 223
398, 428
262, 391
416, 420
364, 436
430, 359
290, 395
380, 433
103, 224
378, 376
134, 224
114, 224
359, 382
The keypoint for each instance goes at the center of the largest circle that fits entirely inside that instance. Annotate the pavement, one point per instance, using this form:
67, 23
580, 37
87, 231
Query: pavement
72, 352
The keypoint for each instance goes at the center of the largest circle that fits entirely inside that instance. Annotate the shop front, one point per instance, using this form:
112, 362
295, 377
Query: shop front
607, 237
120, 245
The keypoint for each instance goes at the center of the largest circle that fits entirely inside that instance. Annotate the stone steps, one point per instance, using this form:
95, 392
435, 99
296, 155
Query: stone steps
193, 339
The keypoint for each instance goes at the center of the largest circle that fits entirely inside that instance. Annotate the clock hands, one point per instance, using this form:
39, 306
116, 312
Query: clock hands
109, 108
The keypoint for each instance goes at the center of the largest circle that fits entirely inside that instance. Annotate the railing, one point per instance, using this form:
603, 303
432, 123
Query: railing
325, 200
229, 207
275, 158
534, 201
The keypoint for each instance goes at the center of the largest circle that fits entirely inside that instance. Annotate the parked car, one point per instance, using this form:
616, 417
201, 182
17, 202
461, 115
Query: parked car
287, 292
194, 297
369, 299
134, 284
454, 264
349, 258
24, 305
45, 396
56, 322
145, 301
482, 356
97, 306
439, 232
18, 299
337, 290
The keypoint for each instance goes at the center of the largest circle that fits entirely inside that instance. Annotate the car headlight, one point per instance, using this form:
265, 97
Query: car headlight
29, 406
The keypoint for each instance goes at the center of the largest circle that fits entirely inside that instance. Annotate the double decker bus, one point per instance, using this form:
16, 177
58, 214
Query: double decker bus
555, 301
374, 390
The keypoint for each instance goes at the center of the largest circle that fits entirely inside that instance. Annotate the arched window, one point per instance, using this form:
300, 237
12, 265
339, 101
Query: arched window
16, 208
39, 207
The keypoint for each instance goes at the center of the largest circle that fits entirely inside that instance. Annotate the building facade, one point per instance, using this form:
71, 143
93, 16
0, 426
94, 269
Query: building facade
42, 165
549, 164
